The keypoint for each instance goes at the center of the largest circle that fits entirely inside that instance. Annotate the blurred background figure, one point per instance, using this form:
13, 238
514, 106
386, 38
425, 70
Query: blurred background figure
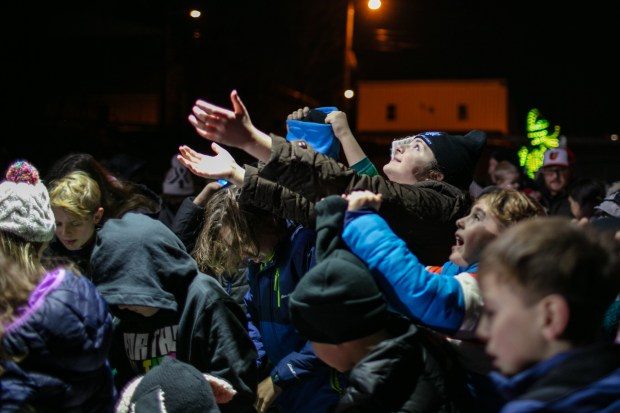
556, 177
178, 184
584, 195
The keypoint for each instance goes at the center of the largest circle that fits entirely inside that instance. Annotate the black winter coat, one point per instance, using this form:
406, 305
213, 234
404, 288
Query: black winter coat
413, 372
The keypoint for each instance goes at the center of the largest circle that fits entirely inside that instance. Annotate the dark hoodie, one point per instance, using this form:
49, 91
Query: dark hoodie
138, 261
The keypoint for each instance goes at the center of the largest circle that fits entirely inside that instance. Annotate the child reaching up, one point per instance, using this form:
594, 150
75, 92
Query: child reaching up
337, 120
427, 176
445, 298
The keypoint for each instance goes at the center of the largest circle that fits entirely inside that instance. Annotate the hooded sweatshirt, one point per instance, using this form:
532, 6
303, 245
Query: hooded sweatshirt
138, 261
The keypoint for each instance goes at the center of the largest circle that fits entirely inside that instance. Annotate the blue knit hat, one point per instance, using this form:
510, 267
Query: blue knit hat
315, 132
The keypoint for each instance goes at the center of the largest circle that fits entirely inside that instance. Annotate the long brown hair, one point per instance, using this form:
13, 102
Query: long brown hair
246, 226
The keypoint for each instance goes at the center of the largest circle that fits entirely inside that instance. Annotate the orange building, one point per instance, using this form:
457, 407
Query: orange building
388, 108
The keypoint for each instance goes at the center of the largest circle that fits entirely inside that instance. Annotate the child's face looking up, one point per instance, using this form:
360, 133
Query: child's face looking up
408, 161
474, 232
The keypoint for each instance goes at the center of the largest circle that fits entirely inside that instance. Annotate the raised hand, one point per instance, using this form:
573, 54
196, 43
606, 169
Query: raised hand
222, 165
363, 199
299, 113
340, 125
233, 128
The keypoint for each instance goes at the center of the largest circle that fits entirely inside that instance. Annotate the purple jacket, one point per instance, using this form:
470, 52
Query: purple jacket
61, 340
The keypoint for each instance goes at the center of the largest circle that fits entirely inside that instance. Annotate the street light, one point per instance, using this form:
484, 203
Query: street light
374, 4
350, 61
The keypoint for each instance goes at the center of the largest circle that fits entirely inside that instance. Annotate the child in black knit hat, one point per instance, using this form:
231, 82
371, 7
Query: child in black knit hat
393, 365
427, 176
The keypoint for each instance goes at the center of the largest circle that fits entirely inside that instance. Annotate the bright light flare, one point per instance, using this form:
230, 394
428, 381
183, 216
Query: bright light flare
349, 93
374, 4
195, 14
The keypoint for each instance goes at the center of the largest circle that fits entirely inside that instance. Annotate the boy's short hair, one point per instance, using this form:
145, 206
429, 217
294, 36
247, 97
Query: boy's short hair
77, 193
510, 206
553, 256
503, 169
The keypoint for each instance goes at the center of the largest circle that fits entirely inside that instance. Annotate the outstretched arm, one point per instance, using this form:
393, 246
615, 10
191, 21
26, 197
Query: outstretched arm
352, 150
222, 165
356, 158
434, 300
232, 128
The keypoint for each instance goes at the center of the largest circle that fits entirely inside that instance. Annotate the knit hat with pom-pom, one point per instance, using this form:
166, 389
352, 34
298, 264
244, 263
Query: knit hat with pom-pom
25, 209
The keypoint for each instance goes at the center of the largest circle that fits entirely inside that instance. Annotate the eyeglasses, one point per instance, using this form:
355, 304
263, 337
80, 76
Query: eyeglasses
554, 171
402, 143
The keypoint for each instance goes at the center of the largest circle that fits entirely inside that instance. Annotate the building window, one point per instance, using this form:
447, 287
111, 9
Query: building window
462, 112
390, 112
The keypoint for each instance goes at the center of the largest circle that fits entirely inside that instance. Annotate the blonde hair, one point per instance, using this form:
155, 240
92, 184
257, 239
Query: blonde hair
20, 271
510, 206
76, 193
26, 254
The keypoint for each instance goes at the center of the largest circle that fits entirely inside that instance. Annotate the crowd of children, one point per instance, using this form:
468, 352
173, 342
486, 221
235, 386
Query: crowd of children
298, 284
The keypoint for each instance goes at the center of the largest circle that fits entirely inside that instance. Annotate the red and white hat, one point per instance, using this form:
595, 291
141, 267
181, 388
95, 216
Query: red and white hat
556, 156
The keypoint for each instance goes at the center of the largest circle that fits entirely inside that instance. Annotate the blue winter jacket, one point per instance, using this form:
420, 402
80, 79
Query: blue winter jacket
444, 298
581, 381
56, 349
308, 384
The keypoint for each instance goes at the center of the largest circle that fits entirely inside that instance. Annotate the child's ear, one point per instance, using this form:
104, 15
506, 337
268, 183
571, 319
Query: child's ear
98, 215
436, 175
555, 316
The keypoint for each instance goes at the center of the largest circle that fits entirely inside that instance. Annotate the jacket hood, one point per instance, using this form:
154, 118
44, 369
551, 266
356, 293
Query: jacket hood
138, 261
62, 339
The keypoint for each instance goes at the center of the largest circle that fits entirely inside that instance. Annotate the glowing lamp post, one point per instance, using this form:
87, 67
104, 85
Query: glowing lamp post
350, 61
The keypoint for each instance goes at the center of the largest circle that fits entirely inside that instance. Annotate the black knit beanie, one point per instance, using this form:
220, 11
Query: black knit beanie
456, 155
173, 386
338, 299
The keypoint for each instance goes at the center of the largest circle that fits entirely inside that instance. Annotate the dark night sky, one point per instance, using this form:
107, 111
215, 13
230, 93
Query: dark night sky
55, 54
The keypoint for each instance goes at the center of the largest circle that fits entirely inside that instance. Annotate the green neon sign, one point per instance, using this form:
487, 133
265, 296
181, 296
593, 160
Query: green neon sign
540, 139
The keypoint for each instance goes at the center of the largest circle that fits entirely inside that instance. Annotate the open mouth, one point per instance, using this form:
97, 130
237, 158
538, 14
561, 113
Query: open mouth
459, 241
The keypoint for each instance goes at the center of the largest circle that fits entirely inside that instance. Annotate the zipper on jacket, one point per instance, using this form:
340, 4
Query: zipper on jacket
276, 286
334, 383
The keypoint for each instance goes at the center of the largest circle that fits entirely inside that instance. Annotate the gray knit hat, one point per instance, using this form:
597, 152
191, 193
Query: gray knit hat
25, 209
